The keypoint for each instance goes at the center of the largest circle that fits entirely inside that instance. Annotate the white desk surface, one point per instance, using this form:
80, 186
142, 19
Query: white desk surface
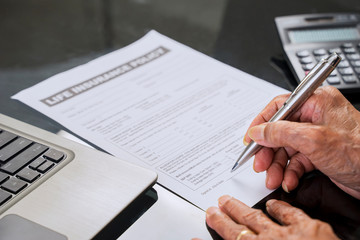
171, 217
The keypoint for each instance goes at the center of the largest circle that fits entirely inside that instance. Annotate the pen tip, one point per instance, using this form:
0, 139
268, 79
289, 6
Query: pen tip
234, 167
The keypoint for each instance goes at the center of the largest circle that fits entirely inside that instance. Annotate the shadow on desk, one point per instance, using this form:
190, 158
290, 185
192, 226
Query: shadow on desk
127, 217
321, 199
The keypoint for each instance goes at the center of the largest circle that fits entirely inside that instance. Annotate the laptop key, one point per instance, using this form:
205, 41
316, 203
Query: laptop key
13, 148
23, 158
54, 155
6, 137
45, 166
37, 162
28, 175
22, 162
4, 196
14, 185
3, 177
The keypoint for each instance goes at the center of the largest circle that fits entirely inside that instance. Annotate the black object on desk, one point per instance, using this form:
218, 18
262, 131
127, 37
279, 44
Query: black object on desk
322, 199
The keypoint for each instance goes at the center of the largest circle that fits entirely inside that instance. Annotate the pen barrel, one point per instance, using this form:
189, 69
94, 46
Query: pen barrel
252, 148
307, 87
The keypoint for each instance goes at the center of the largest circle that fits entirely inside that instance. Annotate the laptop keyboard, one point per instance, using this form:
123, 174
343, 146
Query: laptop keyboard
22, 163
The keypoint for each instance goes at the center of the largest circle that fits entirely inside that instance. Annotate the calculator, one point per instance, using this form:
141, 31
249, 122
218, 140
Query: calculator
306, 39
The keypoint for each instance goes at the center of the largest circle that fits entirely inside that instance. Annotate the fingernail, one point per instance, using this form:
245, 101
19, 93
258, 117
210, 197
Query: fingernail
223, 200
254, 167
257, 133
285, 187
211, 211
245, 142
269, 203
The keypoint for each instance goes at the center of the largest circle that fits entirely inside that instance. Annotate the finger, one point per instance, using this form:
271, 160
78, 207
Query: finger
266, 114
285, 213
223, 224
298, 165
254, 219
312, 111
263, 159
290, 152
275, 173
302, 137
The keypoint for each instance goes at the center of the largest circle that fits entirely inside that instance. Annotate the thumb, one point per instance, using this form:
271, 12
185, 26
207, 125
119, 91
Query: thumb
285, 134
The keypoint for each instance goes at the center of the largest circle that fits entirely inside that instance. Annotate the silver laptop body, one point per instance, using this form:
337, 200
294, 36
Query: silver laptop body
81, 195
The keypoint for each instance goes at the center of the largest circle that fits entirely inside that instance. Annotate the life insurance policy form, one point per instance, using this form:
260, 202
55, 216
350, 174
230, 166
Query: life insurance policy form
165, 106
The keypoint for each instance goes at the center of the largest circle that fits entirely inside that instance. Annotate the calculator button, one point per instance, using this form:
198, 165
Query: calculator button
308, 67
306, 60
320, 52
342, 55
349, 50
347, 45
303, 53
319, 58
334, 50
353, 56
357, 70
355, 63
343, 64
333, 80
349, 79
333, 73
346, 71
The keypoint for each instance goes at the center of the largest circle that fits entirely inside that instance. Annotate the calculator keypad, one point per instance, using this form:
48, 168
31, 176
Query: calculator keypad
348, 70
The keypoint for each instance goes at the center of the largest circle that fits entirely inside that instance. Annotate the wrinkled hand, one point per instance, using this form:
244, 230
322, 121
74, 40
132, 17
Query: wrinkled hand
323, 134
233, 217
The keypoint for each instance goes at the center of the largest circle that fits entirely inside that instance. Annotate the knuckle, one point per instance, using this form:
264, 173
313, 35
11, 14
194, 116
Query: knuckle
327, 91
278, 166
253, 216
332, 90
322, 226
315, 139
287, 217
276, 132
328, 97
230, 206
277, 99
268, 133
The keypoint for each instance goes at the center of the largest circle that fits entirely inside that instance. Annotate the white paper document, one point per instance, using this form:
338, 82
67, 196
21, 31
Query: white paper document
167, 107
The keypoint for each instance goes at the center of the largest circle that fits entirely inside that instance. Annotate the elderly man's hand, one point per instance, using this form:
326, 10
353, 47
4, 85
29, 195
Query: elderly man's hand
323, 134
236, 221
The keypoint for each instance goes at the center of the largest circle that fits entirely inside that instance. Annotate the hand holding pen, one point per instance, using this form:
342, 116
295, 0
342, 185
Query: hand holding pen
298, 97
323, 134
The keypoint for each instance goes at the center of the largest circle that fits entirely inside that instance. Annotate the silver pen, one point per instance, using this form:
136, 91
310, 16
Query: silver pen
298, 97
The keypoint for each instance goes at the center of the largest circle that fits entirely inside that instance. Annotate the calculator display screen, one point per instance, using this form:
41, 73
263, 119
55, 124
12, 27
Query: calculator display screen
323, 35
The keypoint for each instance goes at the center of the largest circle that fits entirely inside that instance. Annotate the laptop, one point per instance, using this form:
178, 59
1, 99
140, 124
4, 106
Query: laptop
54, 188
